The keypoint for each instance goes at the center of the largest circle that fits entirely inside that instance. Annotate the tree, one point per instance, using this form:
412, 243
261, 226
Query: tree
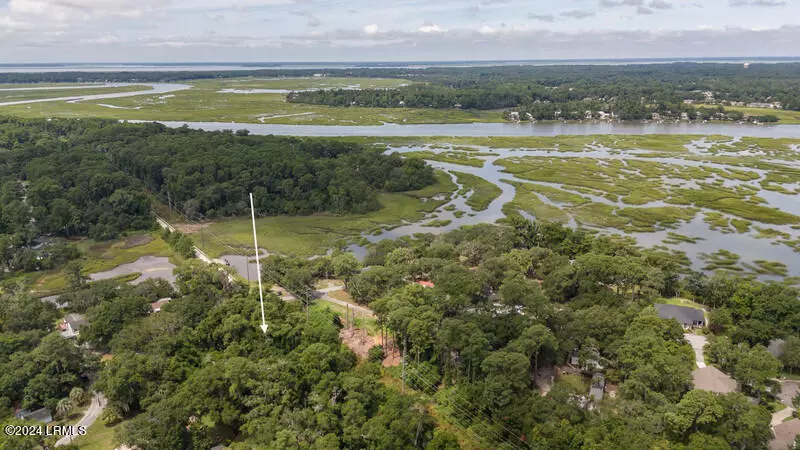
75, 278
533, 341
506, 384
720, 320
64, 407
345, 265
77, 396
754, 368
697, 411
443, 440
791, 353
108, 318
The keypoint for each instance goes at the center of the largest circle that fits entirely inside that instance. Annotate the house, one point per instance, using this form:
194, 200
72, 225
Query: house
72, 324
156, 306
426, 284
40, 415
761, 105
710, 378
776, 347
589, 365
688, 317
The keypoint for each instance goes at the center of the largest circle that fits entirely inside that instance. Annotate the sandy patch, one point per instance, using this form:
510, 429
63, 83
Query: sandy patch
358, 340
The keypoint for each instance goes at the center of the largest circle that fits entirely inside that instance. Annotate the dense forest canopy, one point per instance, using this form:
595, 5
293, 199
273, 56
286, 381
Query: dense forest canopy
632, 92
97, 178
511, 302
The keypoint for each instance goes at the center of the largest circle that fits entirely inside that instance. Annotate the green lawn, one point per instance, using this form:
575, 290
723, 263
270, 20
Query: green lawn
97, 437
677, 301
786, 117
313, 235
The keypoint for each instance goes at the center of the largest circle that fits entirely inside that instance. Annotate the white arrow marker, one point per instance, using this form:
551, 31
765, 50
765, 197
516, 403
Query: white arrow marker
258, 266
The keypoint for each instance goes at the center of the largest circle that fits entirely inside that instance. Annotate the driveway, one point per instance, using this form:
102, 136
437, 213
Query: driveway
697, 342
99, 403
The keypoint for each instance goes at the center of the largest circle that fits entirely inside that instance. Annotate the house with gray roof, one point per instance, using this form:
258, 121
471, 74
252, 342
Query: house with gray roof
72, 324
688, 317
40, 415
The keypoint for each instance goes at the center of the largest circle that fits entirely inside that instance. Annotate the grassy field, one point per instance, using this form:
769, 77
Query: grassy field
97, 437
786, 117
483, 192
677, 301
204, 103
36, 94
313, 235
461, 158
102, 256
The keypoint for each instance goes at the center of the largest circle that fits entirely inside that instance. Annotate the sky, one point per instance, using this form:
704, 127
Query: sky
401, 30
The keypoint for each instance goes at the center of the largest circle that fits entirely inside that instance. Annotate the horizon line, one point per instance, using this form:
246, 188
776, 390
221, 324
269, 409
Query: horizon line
410, 61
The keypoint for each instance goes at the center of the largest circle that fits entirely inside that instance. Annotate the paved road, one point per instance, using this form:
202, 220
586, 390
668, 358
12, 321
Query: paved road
99, 403
323, 294
778, 417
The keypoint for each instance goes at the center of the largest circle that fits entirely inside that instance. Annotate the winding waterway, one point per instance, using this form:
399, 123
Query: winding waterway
747, 244
155, 89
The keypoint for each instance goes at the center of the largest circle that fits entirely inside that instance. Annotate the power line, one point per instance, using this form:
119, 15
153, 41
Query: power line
459, 399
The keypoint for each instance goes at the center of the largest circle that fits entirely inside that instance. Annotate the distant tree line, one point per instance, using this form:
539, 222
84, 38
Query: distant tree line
630, 92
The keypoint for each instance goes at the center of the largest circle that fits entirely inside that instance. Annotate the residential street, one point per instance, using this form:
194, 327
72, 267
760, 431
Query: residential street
323, 294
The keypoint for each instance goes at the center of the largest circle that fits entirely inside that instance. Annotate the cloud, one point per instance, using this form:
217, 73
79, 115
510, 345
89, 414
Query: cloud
615, 3
542, 17
660, 4
429, 27
758, 3
312, 21
578, 14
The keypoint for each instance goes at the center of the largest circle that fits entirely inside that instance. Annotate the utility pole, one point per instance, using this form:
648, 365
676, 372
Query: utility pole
403, 388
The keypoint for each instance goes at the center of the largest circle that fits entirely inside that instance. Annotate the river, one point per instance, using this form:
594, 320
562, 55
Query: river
502, 129
155, 89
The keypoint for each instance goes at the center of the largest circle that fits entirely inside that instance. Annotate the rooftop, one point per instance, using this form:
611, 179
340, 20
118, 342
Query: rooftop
710, 378
683, 314
156, 306
76, 320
